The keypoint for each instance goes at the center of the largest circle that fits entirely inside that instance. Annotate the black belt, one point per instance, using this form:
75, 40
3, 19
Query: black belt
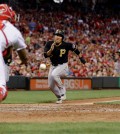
58, 64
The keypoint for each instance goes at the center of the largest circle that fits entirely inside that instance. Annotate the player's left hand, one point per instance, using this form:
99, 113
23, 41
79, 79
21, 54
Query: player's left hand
82, 60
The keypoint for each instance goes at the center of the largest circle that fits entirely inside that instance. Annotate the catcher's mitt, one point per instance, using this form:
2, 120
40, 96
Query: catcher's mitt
7, 55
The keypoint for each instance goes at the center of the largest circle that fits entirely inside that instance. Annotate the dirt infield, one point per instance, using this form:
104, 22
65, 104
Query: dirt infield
69, 111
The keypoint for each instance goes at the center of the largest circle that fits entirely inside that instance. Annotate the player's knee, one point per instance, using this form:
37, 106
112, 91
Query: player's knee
3, 93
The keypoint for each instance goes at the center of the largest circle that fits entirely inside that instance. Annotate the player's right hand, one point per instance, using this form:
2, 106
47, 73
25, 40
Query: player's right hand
49, 52
53, 46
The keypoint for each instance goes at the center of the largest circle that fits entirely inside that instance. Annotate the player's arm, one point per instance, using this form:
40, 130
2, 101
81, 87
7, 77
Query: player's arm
48, 49
20, 47
75, 50
7, 55
23, 56
82, 59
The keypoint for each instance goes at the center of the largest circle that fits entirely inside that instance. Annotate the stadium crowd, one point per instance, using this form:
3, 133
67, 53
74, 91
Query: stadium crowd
96, 33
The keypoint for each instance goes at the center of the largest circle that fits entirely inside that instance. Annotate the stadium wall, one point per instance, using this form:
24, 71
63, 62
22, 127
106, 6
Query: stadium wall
41, 83
70, 83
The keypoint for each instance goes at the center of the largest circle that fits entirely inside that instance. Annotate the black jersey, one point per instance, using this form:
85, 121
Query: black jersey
60, 53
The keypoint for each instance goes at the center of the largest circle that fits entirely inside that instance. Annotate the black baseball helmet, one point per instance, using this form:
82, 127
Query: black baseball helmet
60, 33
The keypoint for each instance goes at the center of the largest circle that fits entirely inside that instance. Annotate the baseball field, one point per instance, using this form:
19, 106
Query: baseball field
84, 112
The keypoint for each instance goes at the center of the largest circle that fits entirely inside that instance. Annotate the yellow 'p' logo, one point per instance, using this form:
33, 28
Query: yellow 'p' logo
62, 51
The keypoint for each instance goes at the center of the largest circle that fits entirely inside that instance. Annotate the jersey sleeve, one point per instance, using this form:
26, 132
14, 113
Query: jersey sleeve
74, 48
20, 44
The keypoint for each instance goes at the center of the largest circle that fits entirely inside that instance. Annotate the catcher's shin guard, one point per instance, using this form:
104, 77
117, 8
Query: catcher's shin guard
3, 94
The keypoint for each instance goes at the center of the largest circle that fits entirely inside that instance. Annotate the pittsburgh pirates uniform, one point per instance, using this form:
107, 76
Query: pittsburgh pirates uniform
59, 65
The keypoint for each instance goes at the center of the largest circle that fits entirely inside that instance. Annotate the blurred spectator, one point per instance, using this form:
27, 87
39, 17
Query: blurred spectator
97, 35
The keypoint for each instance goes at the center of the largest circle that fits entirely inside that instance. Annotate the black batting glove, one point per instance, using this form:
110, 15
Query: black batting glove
82, 60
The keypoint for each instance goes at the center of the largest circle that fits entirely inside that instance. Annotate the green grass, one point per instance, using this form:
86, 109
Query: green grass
48, 96
60, 128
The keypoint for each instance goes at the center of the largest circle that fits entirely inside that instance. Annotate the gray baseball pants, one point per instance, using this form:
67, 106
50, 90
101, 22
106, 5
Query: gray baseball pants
54, 79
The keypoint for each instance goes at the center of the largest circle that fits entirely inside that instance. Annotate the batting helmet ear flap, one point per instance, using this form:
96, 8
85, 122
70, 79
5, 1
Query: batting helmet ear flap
60, 33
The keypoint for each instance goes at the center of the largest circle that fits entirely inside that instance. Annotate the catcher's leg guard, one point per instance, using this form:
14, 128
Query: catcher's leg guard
3, 93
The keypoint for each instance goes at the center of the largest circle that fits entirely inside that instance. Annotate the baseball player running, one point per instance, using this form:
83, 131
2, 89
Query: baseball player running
57, 50
10, 37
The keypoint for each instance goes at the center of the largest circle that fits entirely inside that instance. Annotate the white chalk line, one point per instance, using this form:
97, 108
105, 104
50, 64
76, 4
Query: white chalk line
107, 101
92, 103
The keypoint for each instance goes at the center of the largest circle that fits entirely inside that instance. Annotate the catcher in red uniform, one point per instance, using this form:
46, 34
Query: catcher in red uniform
10, 37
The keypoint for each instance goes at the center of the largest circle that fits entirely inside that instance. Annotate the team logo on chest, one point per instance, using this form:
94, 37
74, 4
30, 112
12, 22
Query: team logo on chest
62, 52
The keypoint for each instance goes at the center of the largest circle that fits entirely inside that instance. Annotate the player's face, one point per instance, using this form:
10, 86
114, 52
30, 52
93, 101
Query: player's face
57, 39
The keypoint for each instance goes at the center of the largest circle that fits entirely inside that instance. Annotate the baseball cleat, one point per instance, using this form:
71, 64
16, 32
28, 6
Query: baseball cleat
3, 94
59, 101
6, 93
63, 97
